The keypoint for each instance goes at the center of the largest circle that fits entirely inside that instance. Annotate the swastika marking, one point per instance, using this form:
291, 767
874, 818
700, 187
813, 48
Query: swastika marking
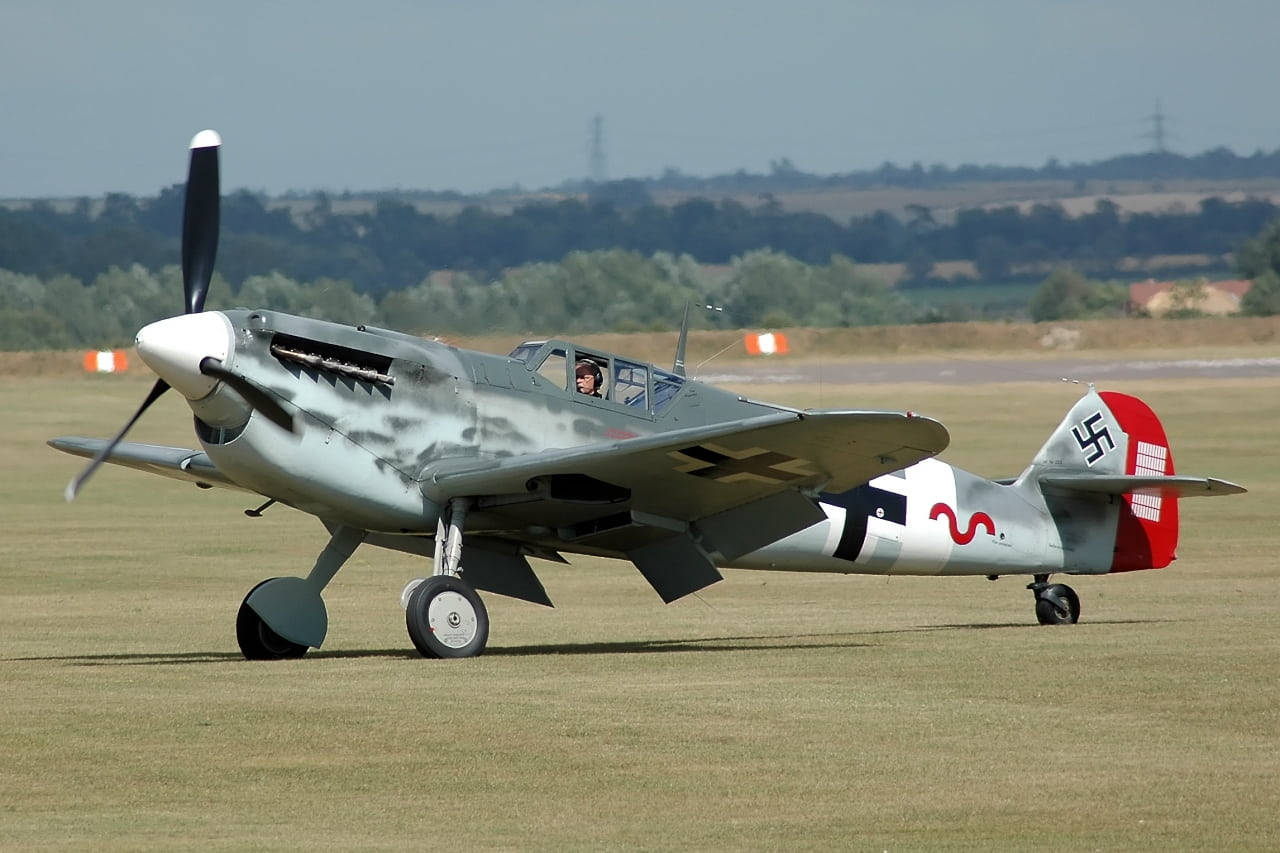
1091, 440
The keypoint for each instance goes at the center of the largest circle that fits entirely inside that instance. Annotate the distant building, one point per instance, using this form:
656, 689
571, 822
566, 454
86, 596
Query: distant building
1158, 298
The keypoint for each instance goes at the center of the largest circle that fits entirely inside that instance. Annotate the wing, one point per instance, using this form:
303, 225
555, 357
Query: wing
694, 472
669, 501
177, 463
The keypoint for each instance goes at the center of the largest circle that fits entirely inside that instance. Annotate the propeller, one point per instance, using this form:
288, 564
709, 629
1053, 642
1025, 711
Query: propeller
199, 247
200, 219
200, 215
73, 488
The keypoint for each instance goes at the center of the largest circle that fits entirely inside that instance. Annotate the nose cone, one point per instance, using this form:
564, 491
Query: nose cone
174, 348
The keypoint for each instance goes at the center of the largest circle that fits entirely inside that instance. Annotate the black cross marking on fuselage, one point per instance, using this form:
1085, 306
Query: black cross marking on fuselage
1092, 439
860, 504
722, 466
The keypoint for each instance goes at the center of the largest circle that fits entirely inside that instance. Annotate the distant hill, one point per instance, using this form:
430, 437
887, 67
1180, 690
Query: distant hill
1136, 183
1217, 164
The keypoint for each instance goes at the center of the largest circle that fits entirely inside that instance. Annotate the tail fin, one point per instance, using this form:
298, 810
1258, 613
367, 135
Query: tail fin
1113, 444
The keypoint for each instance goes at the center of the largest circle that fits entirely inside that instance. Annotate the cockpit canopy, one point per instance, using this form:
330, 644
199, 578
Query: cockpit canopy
625, 382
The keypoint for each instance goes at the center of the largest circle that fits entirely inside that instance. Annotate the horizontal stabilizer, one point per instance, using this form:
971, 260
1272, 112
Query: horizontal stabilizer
1156, 486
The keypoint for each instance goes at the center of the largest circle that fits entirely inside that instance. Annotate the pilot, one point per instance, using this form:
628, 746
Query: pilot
589, 378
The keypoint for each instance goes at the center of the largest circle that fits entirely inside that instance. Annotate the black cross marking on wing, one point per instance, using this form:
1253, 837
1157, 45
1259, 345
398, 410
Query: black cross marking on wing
720, 466
1093, 439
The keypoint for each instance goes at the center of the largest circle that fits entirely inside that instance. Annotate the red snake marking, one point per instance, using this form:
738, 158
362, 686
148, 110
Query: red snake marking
978, 519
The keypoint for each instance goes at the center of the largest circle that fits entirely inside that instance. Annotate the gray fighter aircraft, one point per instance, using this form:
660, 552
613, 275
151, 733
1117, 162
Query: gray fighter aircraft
417, 446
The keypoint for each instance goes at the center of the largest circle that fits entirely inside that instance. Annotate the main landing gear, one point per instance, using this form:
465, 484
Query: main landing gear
1056, 603
444, 615
283, 617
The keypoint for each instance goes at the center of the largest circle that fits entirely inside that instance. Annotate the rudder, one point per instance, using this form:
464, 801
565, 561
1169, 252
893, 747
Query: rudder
1147, 533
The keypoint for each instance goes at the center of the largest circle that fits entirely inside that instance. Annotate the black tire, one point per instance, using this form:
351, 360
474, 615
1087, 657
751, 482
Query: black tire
447, 619
1058, 604
257, 640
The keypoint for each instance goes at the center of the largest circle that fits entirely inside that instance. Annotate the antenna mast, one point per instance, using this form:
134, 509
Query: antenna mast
595, 151
1158, 133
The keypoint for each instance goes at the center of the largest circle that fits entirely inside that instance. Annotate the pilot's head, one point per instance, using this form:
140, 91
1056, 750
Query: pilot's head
589, 378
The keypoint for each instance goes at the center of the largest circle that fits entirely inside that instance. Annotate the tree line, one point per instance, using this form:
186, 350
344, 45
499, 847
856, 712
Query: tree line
394, 245
607, 290
610, 290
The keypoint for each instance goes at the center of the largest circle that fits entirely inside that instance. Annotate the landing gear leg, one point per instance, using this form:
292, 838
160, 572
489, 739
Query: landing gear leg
444, 615
1056, 604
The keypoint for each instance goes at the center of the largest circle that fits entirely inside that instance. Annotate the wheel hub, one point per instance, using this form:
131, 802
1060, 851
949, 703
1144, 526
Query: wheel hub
452, 619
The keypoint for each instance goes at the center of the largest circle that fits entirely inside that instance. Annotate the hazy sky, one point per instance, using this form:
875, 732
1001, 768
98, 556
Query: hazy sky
369, 94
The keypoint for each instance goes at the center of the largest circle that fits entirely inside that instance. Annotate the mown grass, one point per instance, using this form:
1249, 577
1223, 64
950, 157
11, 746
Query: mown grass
770, 711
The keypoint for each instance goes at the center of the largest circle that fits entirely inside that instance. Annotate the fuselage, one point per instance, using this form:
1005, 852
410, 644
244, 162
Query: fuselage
375, 408
935, 519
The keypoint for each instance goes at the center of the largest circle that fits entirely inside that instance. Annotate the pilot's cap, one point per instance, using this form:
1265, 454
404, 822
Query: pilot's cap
587, 368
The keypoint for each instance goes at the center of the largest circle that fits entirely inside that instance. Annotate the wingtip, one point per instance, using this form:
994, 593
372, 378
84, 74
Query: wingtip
206, 139
1226, 487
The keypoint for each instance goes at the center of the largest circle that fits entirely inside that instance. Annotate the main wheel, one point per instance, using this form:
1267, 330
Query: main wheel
1058, 604
447, 619
257, 640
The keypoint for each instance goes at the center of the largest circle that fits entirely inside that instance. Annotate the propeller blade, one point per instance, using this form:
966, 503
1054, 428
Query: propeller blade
73, 488
253, 394
200, 219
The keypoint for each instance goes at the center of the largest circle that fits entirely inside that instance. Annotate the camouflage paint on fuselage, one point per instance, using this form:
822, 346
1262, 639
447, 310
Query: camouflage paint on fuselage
362, 445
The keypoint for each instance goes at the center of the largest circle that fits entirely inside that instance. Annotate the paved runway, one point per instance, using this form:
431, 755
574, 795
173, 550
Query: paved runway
959, 371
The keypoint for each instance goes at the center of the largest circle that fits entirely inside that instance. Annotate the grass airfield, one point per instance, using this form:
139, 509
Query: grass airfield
772, 710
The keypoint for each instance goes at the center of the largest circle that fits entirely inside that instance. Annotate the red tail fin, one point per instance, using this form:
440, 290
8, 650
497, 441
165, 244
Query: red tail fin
1147, 534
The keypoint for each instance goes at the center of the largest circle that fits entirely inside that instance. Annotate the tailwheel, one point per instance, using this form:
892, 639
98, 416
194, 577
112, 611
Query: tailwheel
1056, 604
257, 640
446, 618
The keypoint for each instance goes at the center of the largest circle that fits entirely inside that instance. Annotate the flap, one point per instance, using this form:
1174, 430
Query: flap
697, 472
177, 463
675, 566
497, 566
752, 526
493, 565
